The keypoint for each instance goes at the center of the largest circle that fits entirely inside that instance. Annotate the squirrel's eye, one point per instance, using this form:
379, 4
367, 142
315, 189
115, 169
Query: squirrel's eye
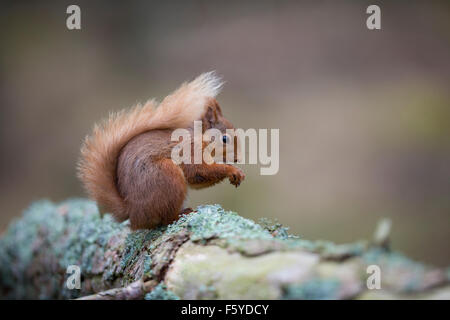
225, 139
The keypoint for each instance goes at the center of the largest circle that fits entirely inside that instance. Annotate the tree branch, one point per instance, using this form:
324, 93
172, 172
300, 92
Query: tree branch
207, 254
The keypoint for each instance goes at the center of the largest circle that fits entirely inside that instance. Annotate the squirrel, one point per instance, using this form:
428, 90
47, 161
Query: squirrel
126, 164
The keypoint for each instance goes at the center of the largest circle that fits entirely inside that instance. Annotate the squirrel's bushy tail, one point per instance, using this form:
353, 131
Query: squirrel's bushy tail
100, 151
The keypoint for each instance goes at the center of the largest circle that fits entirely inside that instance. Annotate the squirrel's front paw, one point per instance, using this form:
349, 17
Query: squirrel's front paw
236, 176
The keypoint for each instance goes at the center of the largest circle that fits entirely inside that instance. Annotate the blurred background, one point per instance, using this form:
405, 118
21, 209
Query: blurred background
364, 116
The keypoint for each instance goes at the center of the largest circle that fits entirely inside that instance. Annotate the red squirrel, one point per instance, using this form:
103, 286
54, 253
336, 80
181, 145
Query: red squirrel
126, 164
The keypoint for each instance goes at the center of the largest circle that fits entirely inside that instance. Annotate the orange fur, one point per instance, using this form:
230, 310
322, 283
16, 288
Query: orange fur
100, 151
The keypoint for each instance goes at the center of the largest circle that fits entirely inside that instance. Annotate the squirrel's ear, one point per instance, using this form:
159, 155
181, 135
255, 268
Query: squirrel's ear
219, 110
210, 118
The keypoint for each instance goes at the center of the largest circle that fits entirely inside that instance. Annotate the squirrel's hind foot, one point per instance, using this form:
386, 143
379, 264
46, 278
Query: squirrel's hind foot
186, 211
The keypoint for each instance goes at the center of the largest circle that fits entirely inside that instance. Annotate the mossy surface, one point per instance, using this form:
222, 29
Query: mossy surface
210, 253
160, 292
313, 289
48, 239
209, 222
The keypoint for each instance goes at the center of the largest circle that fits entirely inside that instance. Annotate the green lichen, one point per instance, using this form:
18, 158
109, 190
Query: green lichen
160, 292
313, 289
138, 241
88, 237
133, 245
69, 233
330, 250
211, 221
399, 271
147, 266
276, 229
208, 291
212, 253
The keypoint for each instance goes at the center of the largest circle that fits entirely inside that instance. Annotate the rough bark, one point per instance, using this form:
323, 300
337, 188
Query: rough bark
207, 254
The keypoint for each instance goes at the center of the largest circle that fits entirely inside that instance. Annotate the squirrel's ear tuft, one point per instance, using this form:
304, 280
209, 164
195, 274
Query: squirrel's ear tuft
210, 118
189, 102
208, 83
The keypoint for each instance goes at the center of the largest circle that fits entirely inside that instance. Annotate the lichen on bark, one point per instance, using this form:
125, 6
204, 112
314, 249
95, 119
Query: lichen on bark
208, 254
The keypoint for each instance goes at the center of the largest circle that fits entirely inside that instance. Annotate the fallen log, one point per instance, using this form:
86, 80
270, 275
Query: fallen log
208, 254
